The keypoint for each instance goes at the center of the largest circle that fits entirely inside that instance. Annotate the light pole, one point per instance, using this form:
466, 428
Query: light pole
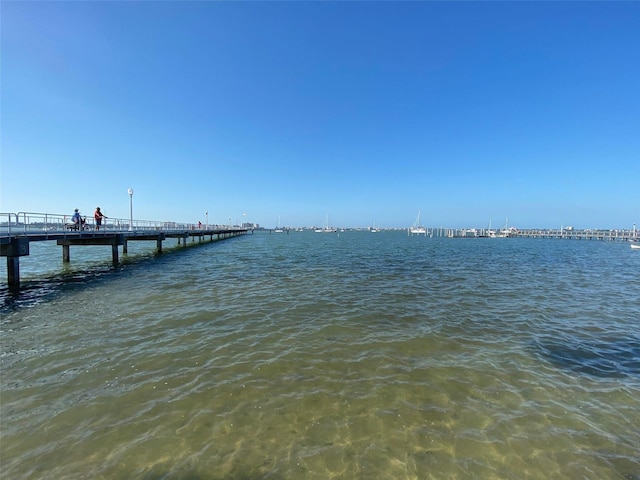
130, 209
206, 214
244, 219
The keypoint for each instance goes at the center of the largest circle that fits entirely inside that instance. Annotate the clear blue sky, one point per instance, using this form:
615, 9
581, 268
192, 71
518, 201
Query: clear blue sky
363, 111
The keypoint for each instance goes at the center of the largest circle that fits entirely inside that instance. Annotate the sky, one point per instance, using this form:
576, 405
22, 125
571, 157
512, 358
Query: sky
291, 112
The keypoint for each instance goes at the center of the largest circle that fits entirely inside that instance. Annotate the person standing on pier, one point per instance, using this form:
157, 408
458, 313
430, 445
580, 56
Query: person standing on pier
98, 216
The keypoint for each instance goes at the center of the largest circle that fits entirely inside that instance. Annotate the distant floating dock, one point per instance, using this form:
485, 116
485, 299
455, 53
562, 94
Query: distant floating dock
17, 231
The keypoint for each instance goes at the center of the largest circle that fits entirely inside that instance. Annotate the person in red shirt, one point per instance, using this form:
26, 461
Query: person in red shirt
98, 216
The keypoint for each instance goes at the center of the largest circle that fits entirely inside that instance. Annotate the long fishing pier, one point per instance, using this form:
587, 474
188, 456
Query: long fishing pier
18, 230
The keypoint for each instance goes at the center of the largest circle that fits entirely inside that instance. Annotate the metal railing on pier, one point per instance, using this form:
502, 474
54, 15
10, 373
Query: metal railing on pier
23, 223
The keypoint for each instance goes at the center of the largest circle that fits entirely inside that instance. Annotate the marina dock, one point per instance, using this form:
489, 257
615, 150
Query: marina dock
17, 231
619, 235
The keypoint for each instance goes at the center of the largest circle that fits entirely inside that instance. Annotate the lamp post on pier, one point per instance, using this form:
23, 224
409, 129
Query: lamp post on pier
206, 214
130, 191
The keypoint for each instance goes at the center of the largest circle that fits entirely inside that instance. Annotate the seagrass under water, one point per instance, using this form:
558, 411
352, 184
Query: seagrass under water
320, 356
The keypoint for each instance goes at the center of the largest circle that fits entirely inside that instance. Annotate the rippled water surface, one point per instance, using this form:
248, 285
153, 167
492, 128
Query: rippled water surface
319, 356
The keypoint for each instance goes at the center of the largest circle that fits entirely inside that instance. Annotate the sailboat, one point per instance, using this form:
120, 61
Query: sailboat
326, 228
416, 228
505, 232
278, 227
374, 229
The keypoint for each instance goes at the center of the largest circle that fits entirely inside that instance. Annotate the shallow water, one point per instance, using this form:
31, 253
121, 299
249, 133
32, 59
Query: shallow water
304, 355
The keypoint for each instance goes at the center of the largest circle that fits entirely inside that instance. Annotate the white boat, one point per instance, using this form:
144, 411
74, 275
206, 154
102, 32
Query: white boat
278, 227
506, 231
635, 244
489, 233
416, 228
374, 229
326, 228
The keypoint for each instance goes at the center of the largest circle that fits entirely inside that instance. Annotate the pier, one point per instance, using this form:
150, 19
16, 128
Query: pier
18, 230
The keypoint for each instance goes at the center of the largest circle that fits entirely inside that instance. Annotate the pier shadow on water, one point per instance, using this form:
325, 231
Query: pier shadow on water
33, 292
611, 358
71, 278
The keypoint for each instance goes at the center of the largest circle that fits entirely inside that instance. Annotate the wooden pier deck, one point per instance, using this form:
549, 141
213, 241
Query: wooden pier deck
17, 231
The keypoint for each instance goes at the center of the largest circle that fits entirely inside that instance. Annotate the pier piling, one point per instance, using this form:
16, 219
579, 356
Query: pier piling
15, 248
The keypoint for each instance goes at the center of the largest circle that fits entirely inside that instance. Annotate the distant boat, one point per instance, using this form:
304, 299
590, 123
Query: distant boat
326, 228
278, 227
635, 244
416, 228
490, 233
505, 232
374, 229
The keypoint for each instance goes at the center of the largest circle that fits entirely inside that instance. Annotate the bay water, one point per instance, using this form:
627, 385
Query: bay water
324, 356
